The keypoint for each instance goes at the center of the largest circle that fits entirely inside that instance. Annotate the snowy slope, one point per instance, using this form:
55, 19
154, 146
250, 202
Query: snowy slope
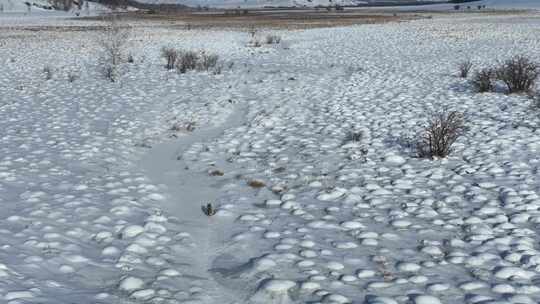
20, 6
43, 7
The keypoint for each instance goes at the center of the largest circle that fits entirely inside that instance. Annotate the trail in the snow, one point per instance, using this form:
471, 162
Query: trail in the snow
187, 190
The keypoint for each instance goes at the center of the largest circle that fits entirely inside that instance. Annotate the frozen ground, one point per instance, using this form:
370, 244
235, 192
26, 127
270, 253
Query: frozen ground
101, 183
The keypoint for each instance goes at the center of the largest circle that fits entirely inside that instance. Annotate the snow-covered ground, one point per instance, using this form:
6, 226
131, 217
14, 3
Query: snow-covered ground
449, 7
276, 3
15, 9
512, 4
102, 183
491, 4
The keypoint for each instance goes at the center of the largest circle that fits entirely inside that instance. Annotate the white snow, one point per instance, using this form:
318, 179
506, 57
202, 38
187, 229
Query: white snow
14, 295
102, 193
131, 283
132, 231
425, 299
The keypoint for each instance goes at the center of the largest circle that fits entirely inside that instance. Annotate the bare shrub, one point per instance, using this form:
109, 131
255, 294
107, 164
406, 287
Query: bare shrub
207, 61
170, 55
442, 131
483, 80
519, 74
254, 41
252, 31
187, 61
216, 173
464, 68
354, 136
181, 127
61, 4
110, 72
48, 71
112, 41
534, 96
256, 183
217, 69
72, 76
273, 39
209, 209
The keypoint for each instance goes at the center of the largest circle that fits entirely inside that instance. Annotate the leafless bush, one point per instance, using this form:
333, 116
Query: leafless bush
170, 55
354, 136
217, 69
519, 74
209, 209
72, 76
252, 31
216, 173
187, 61
254, 40
112, 41
483, 80
255, 183
62, 4
207, 61
534, 96
273, 39
110, 72
48, 71
442, 131
464, 68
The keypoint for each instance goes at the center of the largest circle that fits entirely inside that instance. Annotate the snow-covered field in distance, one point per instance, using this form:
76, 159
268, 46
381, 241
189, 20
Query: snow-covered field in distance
513, 3
493, 4
101, 183
9, 7
490, 5
270, 3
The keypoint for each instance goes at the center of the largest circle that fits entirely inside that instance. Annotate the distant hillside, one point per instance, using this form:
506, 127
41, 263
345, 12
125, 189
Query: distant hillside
100, 5
72, 6
286, 3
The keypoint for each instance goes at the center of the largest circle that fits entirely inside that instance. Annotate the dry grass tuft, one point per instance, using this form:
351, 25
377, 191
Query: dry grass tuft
256, 183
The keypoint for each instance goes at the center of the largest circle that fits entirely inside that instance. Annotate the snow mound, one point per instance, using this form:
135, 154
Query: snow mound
273, 291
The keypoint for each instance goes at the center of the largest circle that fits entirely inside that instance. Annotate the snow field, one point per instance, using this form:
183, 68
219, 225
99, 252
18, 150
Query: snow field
336, 222
78, 223
382, 222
